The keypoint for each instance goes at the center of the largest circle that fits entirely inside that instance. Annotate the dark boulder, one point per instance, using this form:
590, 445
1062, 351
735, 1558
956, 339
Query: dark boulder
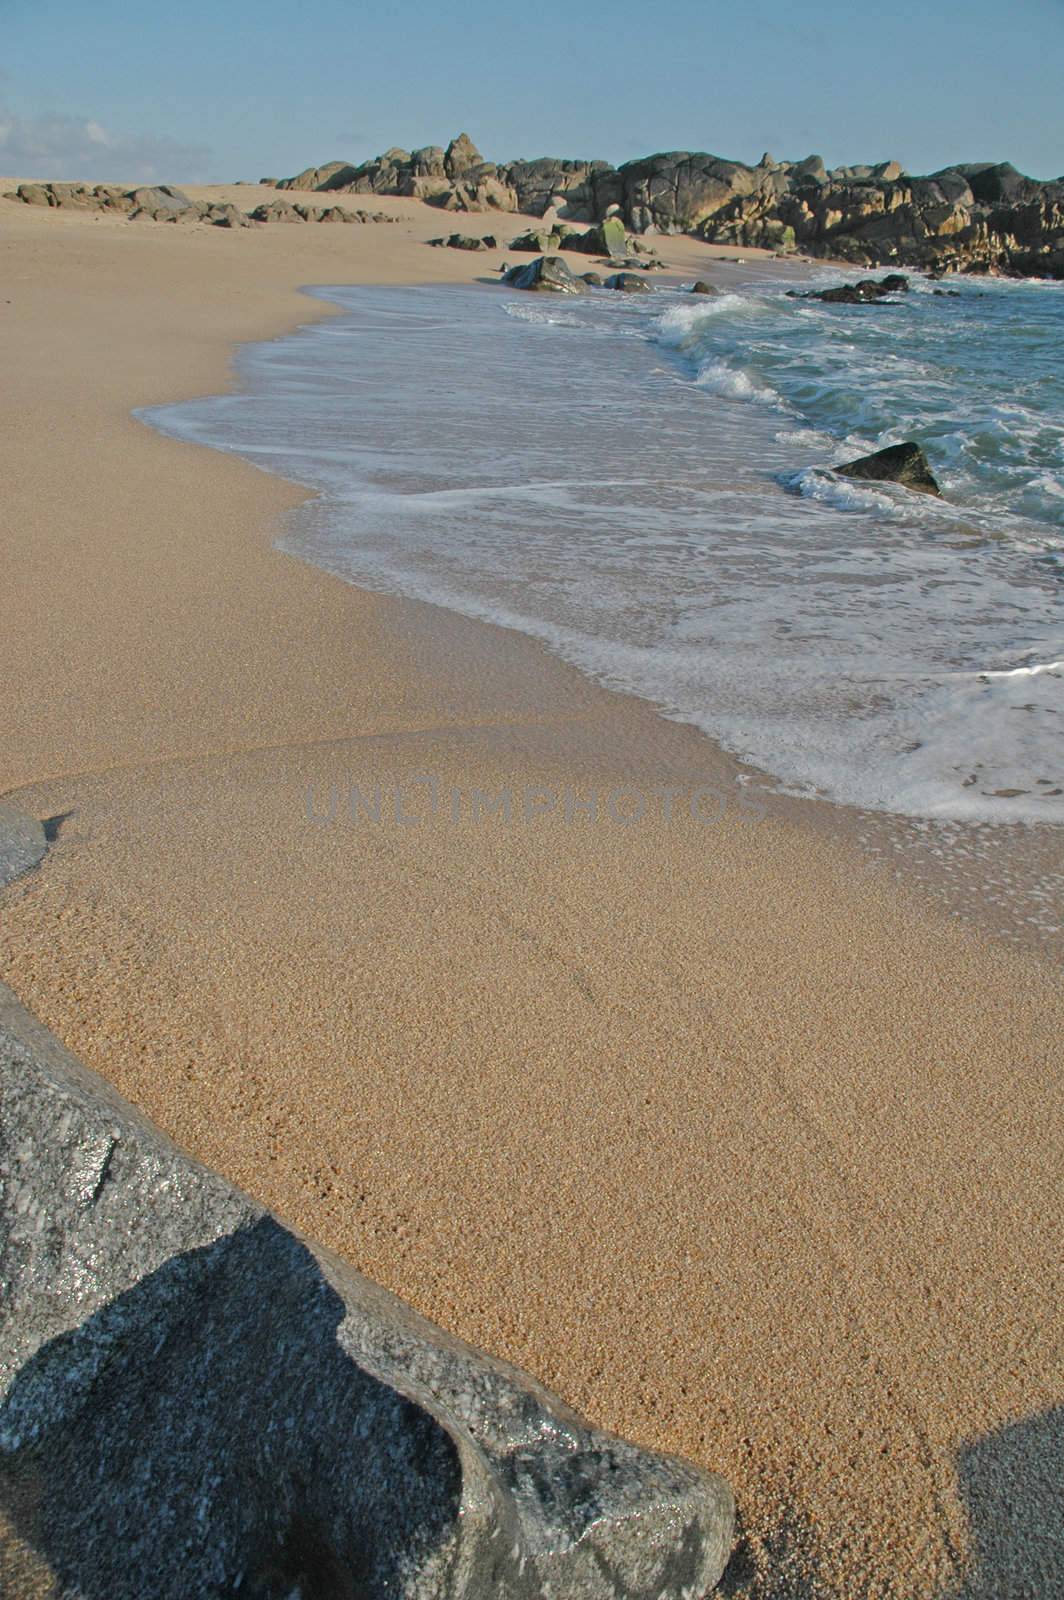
548, 273
702, 287
898, 463
867, 292
628, 283
592, 279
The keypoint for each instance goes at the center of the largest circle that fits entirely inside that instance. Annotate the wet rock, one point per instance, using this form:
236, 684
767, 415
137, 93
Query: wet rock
867, 292
195, 1401
548, 274
592, 279
898, 463
702, 287
628, 283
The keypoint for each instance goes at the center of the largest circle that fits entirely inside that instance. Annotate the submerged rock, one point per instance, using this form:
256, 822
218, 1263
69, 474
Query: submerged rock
898, 463
195, 1401
867, 292
702, 287
548, 273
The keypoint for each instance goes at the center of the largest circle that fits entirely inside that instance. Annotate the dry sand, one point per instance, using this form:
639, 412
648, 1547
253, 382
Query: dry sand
742, 1149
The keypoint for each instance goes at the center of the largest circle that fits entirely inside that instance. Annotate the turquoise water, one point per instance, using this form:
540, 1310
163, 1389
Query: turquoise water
645, 484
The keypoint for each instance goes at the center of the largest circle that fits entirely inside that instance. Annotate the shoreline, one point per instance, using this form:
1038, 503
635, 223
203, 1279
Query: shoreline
717, 1144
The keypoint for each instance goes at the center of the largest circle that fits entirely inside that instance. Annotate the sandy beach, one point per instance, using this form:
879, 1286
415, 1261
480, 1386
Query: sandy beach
750, 1153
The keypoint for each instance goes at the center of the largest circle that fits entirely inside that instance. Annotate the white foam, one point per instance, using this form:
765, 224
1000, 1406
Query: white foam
631, 508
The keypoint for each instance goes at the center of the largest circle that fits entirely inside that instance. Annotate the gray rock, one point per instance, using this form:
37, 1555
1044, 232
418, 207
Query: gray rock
628, 283
278, 211
22, 843
898, 463
461, 157
161, 200
548, 273
35, 194
228, 216
702, 287
592, 279
195, 1401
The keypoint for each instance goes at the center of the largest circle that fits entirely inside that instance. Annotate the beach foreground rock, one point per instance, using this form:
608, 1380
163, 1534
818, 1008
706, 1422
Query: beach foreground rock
195, 1401
898, 463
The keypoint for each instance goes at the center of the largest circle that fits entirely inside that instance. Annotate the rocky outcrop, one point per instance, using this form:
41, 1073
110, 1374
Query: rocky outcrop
978, 217
165, 204
456, 179
548, 274
898, 463
983, 219
195, 1401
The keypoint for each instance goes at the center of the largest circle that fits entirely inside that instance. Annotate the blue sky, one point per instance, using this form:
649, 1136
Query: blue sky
233, 89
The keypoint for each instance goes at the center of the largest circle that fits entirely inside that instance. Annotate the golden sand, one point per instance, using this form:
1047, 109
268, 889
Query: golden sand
743, 1150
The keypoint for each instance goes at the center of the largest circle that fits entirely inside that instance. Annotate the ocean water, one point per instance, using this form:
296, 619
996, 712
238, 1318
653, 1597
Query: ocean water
644, 483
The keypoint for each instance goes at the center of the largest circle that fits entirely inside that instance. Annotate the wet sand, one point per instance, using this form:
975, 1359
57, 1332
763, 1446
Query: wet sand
748, 1151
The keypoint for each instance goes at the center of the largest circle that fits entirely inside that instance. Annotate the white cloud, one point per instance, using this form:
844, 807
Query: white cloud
82, 150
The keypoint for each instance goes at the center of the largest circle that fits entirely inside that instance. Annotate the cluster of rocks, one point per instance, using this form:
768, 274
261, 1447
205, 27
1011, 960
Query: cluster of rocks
163, 203
976, 217
456, 179
552, 275
466, 241
196, 1401
867, 292
160, 203
973, 218
282, 211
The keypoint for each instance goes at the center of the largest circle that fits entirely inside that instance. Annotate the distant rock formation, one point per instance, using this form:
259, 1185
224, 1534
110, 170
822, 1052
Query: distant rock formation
165, 204
195, 1401
980, 217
